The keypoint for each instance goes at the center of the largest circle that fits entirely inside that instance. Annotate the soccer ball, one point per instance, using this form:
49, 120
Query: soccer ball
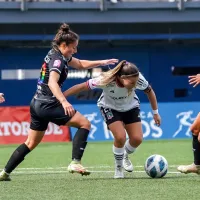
156, 166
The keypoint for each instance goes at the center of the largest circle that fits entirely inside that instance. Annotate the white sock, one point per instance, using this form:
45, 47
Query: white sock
128, 149
119, 155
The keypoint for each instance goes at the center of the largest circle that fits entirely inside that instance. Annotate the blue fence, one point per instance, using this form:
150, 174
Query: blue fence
176, 120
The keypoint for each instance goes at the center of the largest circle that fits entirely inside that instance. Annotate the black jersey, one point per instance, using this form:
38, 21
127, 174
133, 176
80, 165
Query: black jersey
54, 61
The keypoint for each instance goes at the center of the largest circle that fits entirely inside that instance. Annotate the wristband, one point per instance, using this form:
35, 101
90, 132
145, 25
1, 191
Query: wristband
155, 111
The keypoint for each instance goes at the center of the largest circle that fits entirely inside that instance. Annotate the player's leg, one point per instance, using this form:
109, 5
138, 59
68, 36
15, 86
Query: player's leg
115, 125
119, 134
133, 128
35, 135
79, 142
194, 167
78, 121
34, 138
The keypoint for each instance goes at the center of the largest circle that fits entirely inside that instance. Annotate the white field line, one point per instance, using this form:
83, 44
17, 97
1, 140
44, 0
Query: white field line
90, 167
56, 172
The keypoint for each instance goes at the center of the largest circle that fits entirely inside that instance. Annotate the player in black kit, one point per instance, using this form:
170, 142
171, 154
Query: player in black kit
50, 105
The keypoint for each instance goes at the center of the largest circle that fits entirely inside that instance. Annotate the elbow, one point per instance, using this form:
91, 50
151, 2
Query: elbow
81, 67
51, 84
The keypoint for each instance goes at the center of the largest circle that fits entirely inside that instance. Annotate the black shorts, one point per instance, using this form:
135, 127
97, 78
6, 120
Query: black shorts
128, 117
43, 112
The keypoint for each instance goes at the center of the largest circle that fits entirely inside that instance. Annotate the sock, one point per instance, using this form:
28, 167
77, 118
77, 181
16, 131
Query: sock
79, 144
128, 149
16, 158
118, 154
196, 150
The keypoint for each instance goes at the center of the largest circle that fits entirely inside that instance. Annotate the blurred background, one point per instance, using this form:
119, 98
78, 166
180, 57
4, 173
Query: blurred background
162, 37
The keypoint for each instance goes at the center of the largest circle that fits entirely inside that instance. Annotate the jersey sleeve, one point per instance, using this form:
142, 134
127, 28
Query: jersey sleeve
142, 83
56, 64
94, 83
69, 59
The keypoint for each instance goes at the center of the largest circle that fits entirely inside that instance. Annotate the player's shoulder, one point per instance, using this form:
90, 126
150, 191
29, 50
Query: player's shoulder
55, 55
141, 76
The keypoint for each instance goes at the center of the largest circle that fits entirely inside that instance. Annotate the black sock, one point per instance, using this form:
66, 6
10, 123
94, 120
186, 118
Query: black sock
79, 143
16, 158
196, 150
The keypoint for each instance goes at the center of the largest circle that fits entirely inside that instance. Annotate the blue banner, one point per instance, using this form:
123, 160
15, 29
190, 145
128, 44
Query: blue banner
176, 121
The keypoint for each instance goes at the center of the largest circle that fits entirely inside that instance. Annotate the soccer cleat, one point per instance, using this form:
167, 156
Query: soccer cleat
128, 166
119, 173
4, 176
76, 167
189, 169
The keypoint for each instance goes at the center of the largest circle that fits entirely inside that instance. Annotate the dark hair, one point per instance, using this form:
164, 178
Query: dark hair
128, 69
64, 34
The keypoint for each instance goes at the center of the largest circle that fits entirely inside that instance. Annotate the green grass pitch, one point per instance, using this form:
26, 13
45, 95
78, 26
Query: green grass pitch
43, 174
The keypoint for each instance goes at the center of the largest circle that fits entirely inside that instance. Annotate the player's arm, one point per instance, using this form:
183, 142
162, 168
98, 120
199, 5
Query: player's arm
154, 105
142, 84
152, 98
89, 85
56, 66
88, 64
2, 99
55, 89
76, 89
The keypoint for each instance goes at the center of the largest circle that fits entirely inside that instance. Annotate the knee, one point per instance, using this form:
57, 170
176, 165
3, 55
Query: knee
31, 144
120, 141
86, 124
136, 141
194, 130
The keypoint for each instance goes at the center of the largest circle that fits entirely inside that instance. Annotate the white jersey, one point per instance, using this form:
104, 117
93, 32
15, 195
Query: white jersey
117, 97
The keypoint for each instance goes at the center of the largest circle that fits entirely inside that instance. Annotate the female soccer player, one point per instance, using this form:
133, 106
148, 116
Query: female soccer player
50, 105
195, 129
120, 108
2, 99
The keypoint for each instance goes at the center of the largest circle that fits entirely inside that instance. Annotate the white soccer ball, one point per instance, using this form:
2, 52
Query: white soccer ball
156, 166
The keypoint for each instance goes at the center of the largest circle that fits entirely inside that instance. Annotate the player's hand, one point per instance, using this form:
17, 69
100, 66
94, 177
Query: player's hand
109, 62
157, 119
2, 99
194, 80
68, 108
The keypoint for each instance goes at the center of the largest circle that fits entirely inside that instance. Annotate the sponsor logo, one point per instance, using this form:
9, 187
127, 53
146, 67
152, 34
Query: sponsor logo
92, 118
56, 63
21, 129
185, 121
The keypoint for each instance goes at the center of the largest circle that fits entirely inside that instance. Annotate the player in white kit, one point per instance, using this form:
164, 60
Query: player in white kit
120, 108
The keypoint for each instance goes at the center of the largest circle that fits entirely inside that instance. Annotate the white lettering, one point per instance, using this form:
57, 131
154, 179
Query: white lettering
21, 128
107, 133
25, 128
49, 130
5, 126
57, 130
156, 128
147, 129
149, 115
16, 128
142, 115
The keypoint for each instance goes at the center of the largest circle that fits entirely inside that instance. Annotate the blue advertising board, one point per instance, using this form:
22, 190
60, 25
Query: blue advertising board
176, 121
